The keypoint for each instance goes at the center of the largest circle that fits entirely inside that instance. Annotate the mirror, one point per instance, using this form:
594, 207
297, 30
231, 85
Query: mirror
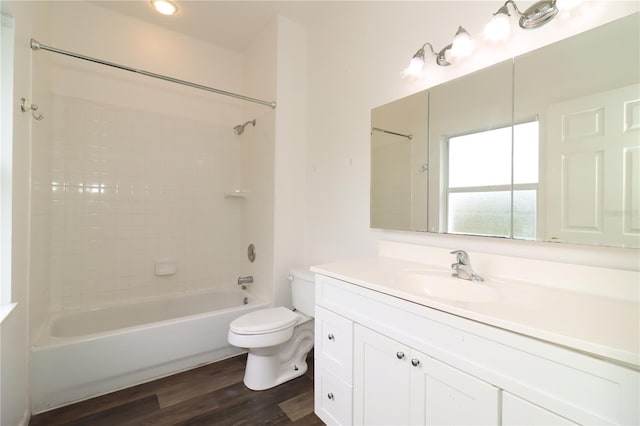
545, 147
399, 159
589, 116
471, 197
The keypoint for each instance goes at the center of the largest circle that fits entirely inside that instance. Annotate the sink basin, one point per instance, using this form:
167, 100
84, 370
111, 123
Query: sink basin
441, 285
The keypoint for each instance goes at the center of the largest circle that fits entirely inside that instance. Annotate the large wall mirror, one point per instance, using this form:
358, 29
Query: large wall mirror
542, 147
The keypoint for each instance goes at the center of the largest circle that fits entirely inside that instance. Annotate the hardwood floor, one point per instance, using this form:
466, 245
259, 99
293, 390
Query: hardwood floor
208, 395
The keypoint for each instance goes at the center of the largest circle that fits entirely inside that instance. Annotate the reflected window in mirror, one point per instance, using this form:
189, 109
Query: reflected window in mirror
492, 184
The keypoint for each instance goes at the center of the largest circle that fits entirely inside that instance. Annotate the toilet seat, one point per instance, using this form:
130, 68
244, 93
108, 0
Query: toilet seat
264, 321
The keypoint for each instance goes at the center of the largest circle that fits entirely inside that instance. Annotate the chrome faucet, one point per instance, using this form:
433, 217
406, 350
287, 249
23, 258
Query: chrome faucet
462, 268
243, 281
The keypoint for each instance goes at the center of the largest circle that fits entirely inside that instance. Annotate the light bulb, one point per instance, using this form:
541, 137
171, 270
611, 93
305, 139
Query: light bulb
462, 44
498, 28
164, 6
568, 5
415, 67
417, 63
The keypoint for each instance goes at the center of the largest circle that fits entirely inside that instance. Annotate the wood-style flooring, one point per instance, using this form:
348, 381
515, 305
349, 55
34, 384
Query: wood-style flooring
210, 395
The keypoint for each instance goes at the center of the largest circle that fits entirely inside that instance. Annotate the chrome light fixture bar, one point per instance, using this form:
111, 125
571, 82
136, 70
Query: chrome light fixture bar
537, 14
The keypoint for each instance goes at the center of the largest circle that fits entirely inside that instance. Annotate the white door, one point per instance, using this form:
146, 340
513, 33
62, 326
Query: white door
443, 395
593, 169
381, 379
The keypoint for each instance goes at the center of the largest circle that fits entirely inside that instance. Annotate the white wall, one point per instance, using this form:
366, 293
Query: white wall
273, 159
31, 20
290, 156
40, 244
258, 150
355, 62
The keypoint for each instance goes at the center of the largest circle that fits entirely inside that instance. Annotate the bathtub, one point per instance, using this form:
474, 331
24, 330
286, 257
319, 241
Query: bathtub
83, 354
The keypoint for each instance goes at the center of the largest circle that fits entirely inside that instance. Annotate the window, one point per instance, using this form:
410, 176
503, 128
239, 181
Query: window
492, 189
6, 152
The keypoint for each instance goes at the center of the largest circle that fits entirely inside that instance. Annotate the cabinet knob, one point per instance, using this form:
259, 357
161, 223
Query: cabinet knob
330, 395
331, 336
415, 362
399, 355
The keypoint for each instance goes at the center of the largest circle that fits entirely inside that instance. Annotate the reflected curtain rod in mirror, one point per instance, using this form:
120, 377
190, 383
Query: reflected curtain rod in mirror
389, 132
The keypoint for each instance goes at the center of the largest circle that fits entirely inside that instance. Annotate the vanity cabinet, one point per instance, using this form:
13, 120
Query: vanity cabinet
465, 372
518, 412
333, 367
397, 385
382, 379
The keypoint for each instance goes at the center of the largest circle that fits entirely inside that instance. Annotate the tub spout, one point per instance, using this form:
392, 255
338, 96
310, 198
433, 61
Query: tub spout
243, 281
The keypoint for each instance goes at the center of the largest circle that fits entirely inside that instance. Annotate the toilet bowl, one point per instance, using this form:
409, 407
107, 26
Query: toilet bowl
278, 339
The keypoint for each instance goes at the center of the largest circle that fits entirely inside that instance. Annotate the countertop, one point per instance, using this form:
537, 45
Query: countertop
604, 327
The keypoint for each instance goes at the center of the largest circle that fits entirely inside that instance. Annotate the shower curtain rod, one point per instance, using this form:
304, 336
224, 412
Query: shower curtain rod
378, 129
35, 45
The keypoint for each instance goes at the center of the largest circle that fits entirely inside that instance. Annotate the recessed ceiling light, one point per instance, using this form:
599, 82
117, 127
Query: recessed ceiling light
164, 6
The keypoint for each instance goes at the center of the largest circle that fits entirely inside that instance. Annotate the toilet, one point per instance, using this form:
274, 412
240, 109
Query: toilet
278, 339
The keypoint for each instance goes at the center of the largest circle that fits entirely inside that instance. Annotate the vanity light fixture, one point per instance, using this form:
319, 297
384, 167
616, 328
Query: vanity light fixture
496, 30
499, 27
536, 15
461, 46
164, 7
417, 62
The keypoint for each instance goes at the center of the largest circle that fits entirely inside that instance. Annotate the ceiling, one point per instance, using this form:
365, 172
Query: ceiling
230, 24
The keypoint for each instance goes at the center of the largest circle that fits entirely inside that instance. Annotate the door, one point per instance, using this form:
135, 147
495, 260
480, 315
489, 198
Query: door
443, 395
381, 379
593, 169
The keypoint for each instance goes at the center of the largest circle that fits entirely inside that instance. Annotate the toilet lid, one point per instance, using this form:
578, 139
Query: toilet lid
264, 321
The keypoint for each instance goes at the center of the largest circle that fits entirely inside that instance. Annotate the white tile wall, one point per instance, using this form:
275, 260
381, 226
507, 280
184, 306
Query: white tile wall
40, 178
129, 188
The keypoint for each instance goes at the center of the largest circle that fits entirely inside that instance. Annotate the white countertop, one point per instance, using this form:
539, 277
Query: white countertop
601, 326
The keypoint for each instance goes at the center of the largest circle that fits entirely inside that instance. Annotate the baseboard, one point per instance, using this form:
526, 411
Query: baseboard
25, 418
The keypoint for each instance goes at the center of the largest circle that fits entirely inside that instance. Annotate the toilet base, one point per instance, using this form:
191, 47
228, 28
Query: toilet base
269, 367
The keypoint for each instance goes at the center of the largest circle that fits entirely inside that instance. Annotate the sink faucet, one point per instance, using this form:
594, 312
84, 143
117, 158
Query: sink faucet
462, 268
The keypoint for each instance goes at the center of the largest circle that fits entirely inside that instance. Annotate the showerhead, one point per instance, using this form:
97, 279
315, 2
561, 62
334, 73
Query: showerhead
239, 129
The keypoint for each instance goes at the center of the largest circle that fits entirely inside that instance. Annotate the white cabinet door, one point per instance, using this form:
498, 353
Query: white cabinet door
381, 379
396, 385
442, 395
518, 412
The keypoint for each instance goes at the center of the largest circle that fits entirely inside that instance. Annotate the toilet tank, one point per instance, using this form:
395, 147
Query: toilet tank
303, 292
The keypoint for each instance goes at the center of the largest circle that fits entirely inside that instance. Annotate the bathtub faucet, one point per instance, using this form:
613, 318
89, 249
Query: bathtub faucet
243, 281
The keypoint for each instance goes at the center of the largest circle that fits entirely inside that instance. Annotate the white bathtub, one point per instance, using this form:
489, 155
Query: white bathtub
87, 353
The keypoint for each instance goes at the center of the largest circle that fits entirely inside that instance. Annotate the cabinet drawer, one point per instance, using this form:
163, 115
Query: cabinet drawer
334, 343
332, 401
